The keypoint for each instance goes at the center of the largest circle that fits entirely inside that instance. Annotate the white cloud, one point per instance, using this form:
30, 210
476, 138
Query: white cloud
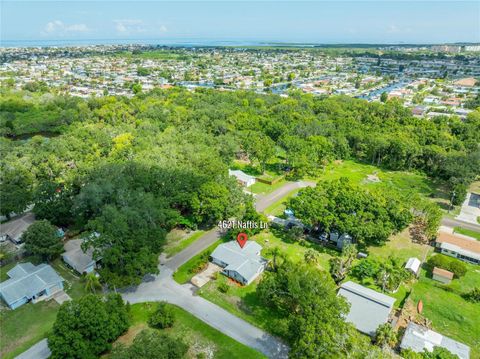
163, 28
129, 26
57, 27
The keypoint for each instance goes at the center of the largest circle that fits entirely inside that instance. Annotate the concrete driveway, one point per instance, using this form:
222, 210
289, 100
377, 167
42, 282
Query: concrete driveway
470, 210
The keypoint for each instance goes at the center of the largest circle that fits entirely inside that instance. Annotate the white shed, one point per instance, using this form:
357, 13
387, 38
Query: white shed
413, 265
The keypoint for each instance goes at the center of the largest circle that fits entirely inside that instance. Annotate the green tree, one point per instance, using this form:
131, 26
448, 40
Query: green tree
152, 344
341, 265
307, 298
92, 283
163, 316
42, 241
384, 97
385, 335
15, 190
86, 327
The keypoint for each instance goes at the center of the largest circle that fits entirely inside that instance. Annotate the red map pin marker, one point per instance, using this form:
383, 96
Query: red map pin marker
242, 239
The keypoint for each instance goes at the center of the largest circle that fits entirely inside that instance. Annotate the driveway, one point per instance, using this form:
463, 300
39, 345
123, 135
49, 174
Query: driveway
470, 210
37, 351
262, 202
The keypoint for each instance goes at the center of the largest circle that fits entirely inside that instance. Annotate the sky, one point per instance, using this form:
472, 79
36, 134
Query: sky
379, 22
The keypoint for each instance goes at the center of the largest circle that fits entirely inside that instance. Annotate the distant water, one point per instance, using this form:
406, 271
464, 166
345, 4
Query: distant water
159, 42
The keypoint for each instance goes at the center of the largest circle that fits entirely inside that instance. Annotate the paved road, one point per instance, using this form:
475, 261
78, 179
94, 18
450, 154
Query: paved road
37, 351
165, 288
262, 202
450, 222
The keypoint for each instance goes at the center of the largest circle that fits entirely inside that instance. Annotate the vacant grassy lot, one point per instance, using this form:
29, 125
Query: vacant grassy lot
201, 337
400, 246
178, 240
468, 232
449, 313
24, 326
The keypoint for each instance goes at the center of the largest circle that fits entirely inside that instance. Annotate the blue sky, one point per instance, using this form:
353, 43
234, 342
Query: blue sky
357, 21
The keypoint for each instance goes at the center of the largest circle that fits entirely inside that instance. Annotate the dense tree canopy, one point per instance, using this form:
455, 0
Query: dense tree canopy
369, 217
160, 159
86, 327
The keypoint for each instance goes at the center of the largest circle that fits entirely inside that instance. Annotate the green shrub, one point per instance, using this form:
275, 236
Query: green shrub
457, 267
472, 296
163, 317
223, 287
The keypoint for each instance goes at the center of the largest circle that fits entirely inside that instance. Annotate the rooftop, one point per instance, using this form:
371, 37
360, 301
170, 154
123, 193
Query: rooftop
418, 338
27, 280
369, 308
442, 273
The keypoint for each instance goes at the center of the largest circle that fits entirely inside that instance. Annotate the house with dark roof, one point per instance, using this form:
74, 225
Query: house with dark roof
418, 338
241, 264
28, 282
368, 308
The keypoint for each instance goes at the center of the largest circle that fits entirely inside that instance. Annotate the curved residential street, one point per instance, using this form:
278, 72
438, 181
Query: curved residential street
163, 287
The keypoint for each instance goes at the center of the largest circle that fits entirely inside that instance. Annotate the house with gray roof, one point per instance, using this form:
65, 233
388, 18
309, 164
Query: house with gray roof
368, 308
13, 229
241, 264
80, 260
29, 282
419, 338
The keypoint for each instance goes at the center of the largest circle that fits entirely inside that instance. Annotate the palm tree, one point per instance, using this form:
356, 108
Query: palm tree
311, 256
92, 282
275, 252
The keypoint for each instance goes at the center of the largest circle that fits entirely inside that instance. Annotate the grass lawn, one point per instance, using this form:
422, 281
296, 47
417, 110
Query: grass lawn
178, 240
292, 250
187, 270
200, 336
400, 246
449, 313
24, 326
357, 173
263, 188
468, 232
241, 301
277, 208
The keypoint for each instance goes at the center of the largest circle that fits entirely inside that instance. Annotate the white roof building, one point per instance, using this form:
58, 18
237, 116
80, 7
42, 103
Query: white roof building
419, 338
242, 264
368, 308
242, 177
413, 264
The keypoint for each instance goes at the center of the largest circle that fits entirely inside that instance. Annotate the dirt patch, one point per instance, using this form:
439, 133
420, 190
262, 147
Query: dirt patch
132, 332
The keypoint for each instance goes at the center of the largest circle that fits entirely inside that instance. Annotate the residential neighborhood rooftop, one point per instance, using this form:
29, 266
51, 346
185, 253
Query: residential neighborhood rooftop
419, 338
369, 308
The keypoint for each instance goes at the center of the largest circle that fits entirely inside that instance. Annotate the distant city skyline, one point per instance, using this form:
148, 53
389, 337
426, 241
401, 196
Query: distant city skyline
322, 22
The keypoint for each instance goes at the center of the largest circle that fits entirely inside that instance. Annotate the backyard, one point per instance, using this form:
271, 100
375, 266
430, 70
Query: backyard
449, 313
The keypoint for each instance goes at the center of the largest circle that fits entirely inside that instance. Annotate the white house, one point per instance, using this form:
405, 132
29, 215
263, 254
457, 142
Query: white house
242, 264
242, 177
